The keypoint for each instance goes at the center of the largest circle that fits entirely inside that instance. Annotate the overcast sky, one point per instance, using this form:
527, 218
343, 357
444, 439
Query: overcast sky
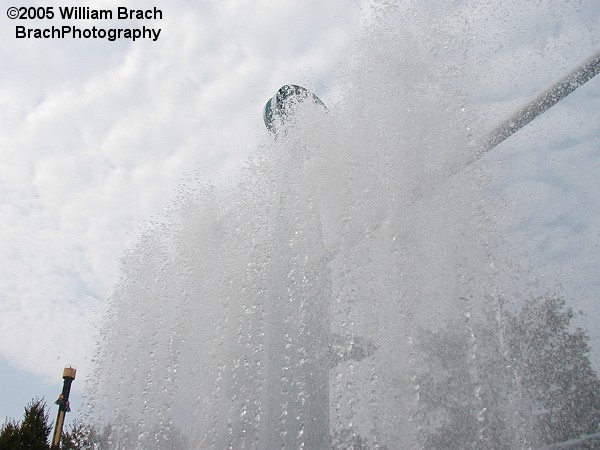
97, 136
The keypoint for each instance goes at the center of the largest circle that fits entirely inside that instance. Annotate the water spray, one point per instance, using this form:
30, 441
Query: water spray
287, 319
63, 405
339, 349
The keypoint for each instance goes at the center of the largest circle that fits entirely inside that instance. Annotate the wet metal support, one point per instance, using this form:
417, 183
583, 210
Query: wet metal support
544, 100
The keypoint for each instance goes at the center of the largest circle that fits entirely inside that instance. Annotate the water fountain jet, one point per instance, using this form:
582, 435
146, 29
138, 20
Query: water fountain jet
288, 312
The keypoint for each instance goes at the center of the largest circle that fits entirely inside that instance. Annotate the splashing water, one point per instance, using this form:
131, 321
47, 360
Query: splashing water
286, 312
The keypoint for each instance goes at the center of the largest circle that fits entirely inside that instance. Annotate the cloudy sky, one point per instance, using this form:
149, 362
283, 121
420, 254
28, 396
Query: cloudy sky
96, 137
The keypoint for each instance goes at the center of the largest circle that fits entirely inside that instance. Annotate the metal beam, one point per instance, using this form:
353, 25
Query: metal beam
544, 100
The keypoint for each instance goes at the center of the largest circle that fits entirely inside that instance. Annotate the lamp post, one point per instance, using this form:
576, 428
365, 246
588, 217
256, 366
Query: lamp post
63, 405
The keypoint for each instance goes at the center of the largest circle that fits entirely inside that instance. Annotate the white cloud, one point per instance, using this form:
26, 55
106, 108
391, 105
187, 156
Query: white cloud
96, 136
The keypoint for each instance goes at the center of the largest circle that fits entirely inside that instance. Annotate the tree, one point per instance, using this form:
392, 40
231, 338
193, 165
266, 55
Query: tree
32, 433
9, 435
557, 375
35, 428
508, 379
81, 436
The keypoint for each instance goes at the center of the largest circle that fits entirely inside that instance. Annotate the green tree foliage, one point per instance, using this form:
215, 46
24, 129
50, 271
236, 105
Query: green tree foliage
9, 435
508, 380
81, 436
36, 427
557, 375
32, 433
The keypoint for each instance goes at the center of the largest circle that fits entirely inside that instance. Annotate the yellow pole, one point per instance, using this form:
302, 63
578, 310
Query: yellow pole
63, 405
